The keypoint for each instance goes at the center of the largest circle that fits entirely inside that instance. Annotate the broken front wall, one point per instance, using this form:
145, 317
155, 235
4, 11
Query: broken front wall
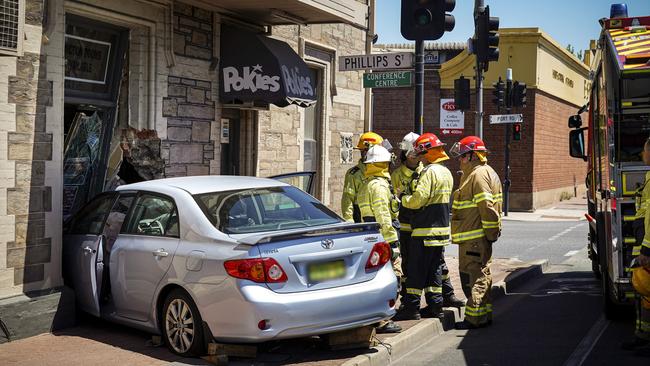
167, 124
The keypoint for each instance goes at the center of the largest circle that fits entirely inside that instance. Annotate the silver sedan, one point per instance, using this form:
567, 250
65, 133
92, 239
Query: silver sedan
228, 258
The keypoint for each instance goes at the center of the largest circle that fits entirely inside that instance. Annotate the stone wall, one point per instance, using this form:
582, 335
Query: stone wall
190, 111
281, 130
26, 146
190, 103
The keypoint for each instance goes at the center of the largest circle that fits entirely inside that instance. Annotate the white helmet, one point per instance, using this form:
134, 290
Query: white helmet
407, 142
378, 154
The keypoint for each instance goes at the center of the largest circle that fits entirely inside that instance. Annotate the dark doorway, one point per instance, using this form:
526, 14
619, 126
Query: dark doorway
95, 54
230, 151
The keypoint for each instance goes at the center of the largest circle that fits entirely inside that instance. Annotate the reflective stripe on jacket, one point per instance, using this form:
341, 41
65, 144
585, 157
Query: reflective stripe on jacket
404, 179
476, 209
349, 198
375, 198
431, 199
644, 212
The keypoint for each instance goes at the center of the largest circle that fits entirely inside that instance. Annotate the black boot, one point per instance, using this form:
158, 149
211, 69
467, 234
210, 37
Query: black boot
452, 302
465, 325
636, 343
407, 313
433, 311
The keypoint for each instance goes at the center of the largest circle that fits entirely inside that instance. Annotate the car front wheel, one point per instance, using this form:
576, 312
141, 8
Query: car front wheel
182, 325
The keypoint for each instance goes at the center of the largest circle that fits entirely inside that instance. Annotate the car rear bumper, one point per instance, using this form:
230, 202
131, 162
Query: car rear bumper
300, 314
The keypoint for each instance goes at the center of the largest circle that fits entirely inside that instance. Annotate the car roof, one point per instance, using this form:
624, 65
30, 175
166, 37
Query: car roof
204, 183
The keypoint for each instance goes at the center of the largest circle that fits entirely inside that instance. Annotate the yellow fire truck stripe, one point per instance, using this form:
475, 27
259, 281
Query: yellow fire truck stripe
637, 50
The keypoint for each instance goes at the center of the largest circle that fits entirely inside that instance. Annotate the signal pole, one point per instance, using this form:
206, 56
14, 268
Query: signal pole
478, 122
507, 127
418, 125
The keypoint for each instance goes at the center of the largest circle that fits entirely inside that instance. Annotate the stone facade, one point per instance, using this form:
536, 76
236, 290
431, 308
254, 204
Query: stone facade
26, 147
281, 130
169, 117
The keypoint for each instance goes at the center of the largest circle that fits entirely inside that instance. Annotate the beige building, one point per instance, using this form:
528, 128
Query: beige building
98, 93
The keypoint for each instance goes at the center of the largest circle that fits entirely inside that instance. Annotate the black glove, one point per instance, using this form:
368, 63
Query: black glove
394, 250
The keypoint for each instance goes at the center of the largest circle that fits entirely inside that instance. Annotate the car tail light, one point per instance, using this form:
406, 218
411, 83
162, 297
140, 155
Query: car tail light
379, 256
391, 303
262, 270
264, 324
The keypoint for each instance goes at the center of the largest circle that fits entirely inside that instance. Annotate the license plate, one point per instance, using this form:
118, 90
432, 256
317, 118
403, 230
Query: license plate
326, 271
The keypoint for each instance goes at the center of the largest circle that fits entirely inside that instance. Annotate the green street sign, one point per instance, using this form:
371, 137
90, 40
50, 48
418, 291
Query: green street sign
388, 79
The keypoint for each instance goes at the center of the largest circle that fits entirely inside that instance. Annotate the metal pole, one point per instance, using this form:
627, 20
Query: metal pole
418, 125
478, 122
506, 183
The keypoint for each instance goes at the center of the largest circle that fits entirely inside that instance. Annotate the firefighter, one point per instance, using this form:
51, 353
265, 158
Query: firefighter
377, 203
430, 225
403, 179
475, 225
641, 225
354, 176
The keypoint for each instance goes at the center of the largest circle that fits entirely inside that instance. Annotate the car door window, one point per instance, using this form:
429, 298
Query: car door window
116, 218
90, 218
153, 215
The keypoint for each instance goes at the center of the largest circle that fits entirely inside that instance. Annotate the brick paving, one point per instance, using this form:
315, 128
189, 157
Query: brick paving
97, 342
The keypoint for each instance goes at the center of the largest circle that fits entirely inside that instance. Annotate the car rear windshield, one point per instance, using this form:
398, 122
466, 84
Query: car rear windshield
264, 209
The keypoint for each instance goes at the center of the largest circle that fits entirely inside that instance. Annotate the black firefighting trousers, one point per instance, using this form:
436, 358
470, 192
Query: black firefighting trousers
424, 274
642, 329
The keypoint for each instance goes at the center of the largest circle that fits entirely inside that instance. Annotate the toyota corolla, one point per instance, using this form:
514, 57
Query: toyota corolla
235, 259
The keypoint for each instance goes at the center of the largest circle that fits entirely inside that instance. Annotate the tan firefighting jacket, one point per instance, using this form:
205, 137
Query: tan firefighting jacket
351, 185
376, 205
643, 211
431, 200
404, 181
476, 208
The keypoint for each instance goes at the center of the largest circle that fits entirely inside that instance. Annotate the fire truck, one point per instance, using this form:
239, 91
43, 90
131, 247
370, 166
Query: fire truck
618, 113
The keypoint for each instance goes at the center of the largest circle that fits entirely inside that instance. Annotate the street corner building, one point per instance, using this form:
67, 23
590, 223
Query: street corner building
542, 172
95, 94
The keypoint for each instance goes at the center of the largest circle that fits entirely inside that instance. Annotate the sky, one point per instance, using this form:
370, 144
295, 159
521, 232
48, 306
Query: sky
572, 22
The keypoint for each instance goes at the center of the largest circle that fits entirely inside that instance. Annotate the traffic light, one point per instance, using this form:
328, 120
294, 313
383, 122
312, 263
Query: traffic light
499, 93
516, 131
426, 19
461, 93
486, 40
519, 94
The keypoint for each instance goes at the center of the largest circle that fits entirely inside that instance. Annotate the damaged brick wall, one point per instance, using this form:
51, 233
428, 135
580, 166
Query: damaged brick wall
142, 150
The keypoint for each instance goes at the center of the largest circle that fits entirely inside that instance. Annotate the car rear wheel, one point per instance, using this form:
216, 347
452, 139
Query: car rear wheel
182, 325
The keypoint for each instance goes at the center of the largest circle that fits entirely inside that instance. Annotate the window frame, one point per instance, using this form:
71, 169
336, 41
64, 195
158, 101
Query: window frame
70, 225
21, 33
130, 215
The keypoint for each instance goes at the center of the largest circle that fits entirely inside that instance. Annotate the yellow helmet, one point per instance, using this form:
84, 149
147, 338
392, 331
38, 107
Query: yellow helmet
369, 139
641, 281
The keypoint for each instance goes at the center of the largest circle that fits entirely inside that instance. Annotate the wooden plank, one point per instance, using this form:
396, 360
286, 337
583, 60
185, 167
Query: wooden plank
232, 350
353, 338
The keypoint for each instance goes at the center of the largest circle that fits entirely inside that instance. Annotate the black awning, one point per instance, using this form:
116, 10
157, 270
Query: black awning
256, 68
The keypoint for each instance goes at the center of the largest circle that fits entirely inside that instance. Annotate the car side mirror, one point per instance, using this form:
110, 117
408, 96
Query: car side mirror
577, 144
575, 121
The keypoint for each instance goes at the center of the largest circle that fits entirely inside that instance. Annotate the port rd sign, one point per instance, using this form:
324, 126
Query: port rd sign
498, 119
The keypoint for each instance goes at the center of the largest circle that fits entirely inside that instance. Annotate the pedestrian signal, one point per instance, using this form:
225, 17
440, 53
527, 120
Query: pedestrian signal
516, 131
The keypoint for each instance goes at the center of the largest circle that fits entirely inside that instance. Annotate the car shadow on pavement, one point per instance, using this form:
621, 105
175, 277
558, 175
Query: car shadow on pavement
136, 346
118, 336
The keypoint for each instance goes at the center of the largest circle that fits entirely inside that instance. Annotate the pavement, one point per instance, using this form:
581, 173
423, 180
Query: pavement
98, 342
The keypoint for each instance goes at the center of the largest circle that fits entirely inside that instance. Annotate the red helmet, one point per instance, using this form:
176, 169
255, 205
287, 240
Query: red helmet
426, 142
467, 144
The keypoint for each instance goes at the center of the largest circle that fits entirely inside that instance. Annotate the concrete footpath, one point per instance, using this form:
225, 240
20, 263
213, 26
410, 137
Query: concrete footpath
101, 343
